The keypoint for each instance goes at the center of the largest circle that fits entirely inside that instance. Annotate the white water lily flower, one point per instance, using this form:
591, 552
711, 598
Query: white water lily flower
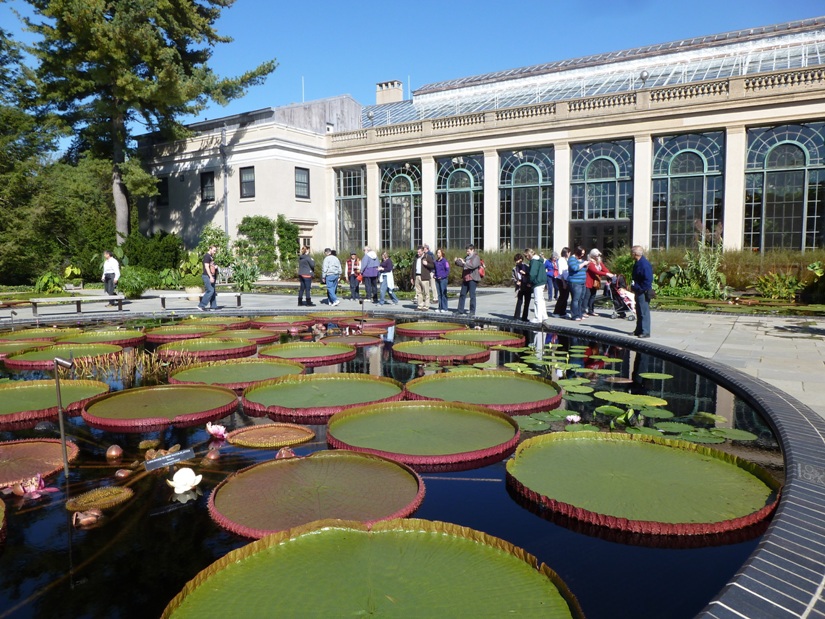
184, 480
573, 419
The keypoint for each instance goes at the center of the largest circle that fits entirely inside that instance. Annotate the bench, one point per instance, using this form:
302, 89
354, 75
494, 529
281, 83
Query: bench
78, 301
186, 295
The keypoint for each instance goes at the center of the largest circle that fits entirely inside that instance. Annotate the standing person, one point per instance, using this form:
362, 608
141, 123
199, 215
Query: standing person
551, 265
353, 270
306, 269
576, 276
387, 279
369, 273
596, 269
524, 288
564, 287
469, 279
330, 273
538, 278
422, 274
111, 273
210, 271
642, 286
441, 274
433, 282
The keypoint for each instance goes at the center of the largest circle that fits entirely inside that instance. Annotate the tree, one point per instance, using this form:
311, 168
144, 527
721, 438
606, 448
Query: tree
106, 64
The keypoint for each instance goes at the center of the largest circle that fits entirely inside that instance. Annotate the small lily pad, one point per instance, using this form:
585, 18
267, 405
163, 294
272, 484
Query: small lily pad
709, 417
567, 382
581, 427
579, 389
656, 413
696, 437
529, 423
599, 371
734, 434
101, 498
577, 397
655, 375
643, 430
556, 415
609, 409
674, 427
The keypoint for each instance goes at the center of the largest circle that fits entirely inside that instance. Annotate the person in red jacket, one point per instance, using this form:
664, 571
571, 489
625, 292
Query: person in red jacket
596, 270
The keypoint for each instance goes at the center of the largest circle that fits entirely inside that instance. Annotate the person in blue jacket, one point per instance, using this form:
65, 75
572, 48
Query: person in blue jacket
642, 287
576, 277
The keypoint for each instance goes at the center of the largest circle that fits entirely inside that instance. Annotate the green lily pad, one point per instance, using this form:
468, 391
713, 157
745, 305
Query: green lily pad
610, 410
599, 371
674, 427
734, 434
655, 375
577, 397
580, 427
709, 417
528, 423
643, 430
696, 437
567, 382
630, 399
656, 413
579, 389
555, 415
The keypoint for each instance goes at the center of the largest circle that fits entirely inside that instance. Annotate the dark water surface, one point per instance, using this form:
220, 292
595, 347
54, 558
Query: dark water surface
150, 546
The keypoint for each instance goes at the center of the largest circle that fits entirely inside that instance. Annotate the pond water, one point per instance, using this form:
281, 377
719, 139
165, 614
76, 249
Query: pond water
149, 547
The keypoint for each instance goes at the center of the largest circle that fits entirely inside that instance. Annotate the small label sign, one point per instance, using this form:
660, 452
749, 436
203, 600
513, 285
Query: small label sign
169, 459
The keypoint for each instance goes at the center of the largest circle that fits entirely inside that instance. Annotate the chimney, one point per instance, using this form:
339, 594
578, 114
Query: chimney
389, 92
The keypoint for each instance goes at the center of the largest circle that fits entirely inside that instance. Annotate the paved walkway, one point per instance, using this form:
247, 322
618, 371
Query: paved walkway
788, 353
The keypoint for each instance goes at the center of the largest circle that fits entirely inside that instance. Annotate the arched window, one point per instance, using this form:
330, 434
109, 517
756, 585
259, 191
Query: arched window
526, 199
687, 188
785, 187
401, 205
460, 201
351, 208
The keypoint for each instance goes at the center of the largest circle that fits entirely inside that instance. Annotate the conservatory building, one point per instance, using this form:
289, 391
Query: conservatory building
647, 146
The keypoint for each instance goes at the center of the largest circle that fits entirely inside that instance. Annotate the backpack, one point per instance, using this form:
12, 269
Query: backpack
481, 269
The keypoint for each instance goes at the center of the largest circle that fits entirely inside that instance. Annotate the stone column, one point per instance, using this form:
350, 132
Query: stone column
561, 195
373, 205
428, 173
733, 218
490, 200
642, 189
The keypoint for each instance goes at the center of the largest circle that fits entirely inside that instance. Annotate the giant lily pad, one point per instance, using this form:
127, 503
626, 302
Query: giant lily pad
426, 435
259, 336
43, 358
442, 351
642, 484
171, 333
237, 374
155, 408
281, 494
22, 460
400, 568
208, 349
24, 403
283, 323
488, 337
270, 435
313, 398
105, 497
127, 338
42, 334
503, 391
18, 346
224, 322
359, 341
426, 328
333, 316
367, 323
311, 354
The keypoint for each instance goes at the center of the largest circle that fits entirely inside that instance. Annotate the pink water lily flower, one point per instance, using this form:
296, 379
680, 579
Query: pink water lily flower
215, 430
573, 419
33, 488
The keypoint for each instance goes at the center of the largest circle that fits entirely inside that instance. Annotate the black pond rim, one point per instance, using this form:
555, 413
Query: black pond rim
784, 576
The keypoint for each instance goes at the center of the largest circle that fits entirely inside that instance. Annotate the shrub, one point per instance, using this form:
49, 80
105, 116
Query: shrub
134, 281
260, 233
244, 275
288, 244
158, 252
214, 235
48, 283
778, 286
190, 280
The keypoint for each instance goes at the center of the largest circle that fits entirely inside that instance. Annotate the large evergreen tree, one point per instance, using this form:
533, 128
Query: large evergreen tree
106, 64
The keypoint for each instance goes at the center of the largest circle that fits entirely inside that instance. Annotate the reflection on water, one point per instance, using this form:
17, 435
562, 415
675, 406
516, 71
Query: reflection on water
146, 549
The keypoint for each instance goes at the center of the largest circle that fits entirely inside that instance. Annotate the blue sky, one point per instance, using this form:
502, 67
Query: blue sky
329, 48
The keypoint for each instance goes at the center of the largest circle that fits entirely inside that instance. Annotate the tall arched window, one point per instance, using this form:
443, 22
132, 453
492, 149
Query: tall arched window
460, 201
785, 187
601, 190
526, 199
687, 187
401, 205
351, 208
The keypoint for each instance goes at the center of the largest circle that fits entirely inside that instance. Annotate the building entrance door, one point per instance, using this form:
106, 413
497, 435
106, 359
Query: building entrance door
606, 235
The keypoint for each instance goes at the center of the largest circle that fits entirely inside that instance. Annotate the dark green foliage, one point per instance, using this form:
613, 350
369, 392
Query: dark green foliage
778, 286
260, 233
288, 244
48, 283
215, 235
158, 252
134, 281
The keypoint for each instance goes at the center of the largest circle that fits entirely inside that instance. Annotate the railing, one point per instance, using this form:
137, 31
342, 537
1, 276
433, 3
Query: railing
597, 104
525, 113
690, 91
800, 77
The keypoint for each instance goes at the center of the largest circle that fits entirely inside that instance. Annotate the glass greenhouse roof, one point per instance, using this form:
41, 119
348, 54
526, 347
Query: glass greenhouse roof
790, 45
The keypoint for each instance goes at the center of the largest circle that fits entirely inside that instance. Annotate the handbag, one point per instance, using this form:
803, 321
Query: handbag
359, 277
597, 283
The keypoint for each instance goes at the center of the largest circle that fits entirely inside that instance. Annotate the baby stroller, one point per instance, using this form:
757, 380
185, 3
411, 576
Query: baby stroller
624, 304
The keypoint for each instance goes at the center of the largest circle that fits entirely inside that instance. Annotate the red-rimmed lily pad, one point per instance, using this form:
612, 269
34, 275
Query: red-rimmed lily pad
311, 354
281, 494
488, 337
43, 358
427, 328
283, 323
224, 322
41, 334
22, 460
208, 349
24, 403
236, 374
270, 435
126, 338
420, 568
259, 336
504, 391
333, 316
313, 398
145, 409
427, 435
359, 341
171, 333
440, 351
642, 484
14, 347
367, 323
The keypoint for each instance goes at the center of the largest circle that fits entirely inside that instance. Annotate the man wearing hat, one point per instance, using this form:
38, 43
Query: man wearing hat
353, 271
